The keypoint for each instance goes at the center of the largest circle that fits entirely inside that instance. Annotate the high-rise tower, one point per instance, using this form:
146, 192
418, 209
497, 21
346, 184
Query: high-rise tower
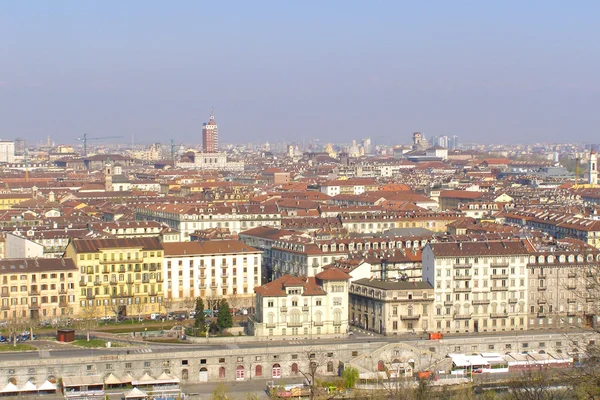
593, 165
210, 136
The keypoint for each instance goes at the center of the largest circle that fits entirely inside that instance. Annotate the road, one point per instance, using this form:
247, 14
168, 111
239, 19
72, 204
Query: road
52, 349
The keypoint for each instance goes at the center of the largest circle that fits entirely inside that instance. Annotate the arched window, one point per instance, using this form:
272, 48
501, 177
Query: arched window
380, 366
222, 372
318, 317
276, 371
294, 368
258, 370
270, 318
330, 366
185, 374
239, 373
337, 317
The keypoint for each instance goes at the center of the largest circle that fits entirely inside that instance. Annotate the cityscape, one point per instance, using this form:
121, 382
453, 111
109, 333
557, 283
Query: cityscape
256, 263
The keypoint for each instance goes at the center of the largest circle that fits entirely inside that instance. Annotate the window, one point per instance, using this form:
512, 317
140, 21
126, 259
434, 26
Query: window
146, 364
221, 360
184, 362
128, 365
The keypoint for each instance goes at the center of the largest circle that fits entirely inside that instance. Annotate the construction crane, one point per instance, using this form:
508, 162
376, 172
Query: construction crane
85, 138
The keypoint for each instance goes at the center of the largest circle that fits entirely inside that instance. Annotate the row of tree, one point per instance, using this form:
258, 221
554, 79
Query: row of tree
224, 318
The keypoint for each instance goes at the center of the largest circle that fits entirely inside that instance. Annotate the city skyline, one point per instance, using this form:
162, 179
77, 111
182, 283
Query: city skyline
277, 71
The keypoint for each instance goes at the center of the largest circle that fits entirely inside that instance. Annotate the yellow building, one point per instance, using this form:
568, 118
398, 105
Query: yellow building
118, 277
7, 200
38, 289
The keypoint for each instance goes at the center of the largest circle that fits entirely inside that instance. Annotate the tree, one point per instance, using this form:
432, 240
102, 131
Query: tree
88, 320
350, 376
220, 393
139, 307
224, 320
188, 303
314, 359
200, 318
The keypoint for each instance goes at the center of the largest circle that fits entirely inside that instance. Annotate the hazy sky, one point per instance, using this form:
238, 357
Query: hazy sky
488, 71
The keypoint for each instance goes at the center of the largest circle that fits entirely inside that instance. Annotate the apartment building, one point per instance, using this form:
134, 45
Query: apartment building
555, 223
302, 306
563, 290
303, 255
189, 218
478, 286
263, 238
391, 307
118, 277
370, 223
349, 186
213, 269
38, 288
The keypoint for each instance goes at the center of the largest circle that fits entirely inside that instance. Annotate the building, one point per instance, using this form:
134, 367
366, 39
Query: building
478, 286
210, 136
38, 288
7, 151
212, 270
118, 277
189, 218
563, 289
391, 307
593, 168
302, 306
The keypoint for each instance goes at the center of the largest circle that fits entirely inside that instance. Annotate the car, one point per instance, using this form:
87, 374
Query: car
3, 339
192, 314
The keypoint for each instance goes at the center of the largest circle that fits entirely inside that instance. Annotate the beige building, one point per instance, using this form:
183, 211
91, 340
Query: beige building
391, 307
563, 291
304, 307
41, 288
212, 270
118, 277
479, 286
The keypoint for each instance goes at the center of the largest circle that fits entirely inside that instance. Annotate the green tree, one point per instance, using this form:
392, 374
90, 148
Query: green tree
199, 319
224, 320
350, 376
220, 393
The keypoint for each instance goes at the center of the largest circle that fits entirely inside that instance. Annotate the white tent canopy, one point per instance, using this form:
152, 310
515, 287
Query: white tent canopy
28, 387
10, 388
47, 387
135, 393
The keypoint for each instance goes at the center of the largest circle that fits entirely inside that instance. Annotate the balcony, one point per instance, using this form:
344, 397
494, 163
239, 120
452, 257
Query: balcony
462, 316
63, 304
90, 296
499, 265
499, 276
296, 324
82, 282
304, 308
224, 284
34, 306
283, 309
413, 317
481, 302
542, 314
62, 291
5, 307
462, 277
571, 314
462, 290
224, 275
541, 301
337, 323
571, 301
145, 280
571, 286
160, 279
499, 288
113, 282
541, 288
462, 266
32, 292
137, 269
499, 315
318, 323
448, 303
571, 275
214, 285
270, 325
153, 267
512, 301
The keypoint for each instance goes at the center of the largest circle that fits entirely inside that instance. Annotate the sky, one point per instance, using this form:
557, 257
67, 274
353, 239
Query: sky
281, 71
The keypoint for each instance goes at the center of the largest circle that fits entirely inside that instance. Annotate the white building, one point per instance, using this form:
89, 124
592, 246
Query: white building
7, 151
302, 306
211, 270
478, 286
212, 161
